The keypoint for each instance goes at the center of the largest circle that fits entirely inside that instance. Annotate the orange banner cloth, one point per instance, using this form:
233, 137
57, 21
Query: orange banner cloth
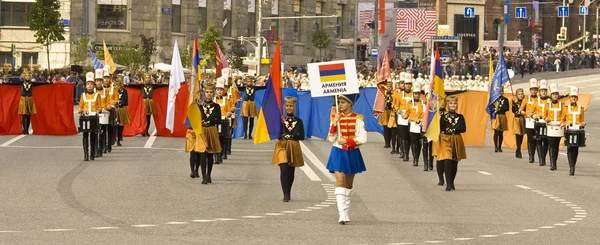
54, 105
160, 100
137, 114
10, 121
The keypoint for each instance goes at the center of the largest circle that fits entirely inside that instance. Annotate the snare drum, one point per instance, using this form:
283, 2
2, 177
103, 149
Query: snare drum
400, 119
415, 128
540, 129
555, 130
574, 137
112, 120
529, 123
104, 118
88, 123
225, 127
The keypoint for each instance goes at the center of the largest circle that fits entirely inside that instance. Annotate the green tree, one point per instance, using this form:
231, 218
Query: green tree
186, 56
44, 19
207, 46
321, 40
130, 55
236, 51
148, 48
81, 52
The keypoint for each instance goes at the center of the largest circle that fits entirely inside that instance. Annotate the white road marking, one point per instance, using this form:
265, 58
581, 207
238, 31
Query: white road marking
560, 224
484, 173
488, 236
273, 214
150, 140
177, 223
576, 207
546, 227
576, 218
511, 233
571, 221
548, 195
314, 160
58, 230
322, 205
104, 228
463, 239
554, 198
435, 241
310, 173
10, 231
226, 219
304, 210
330, 203
580, 216
290, 212
571, 205
13, 140
564, 154
523, 187
252, 217
581, 213
31, 131
531, 230
144, 226
315, 207
401, 243
562, 201
202, 220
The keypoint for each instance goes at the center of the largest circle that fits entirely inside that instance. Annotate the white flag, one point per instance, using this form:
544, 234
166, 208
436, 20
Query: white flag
175, 81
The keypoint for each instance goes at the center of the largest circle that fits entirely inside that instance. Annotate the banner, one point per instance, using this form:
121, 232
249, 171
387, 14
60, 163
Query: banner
333, 78
137, 113
54, 106
10, 122
160, 101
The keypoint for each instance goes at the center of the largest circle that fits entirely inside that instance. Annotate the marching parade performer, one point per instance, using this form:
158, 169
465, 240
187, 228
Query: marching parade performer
414, 113
527, 109
233, 97
122, 113
451, 147
540, 125
287, 153
427, 144
249, 111
149, 106
227, 112
99, 82
396, 101
574, 121
202, 146
384, 117
347, 132
109, 99
555, 117
518, 121
500, 124
26, 103
89, 106
403, 127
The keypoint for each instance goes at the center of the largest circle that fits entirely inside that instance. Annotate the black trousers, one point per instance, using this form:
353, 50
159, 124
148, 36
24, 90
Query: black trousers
440, 167
553, 145
25, 123
387, 135
405, 139
286, 176
519, 139
105, 138
450, 169
531, 144
148, 117
248, 126
542, 149
396, 143
498, 138
572, 153
89, 146
415, 146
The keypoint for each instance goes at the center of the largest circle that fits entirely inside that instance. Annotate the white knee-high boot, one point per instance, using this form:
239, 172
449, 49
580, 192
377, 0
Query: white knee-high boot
340, 195
347, 205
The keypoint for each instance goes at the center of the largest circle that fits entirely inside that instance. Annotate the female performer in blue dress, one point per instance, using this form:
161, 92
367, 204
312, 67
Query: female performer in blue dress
345, 159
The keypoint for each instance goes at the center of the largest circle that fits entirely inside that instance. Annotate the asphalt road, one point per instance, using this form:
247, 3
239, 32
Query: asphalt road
142, 194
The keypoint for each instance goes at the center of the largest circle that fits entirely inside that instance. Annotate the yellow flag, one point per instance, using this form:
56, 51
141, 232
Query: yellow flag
491, 73
108, 59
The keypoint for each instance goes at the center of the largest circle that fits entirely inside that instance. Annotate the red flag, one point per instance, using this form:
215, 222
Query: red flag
383, 74
220, 59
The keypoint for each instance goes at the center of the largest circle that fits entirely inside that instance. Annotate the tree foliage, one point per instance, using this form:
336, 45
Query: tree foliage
236, 51
44, 19
148, 48
207, 46
186, 56
81, 52
130, 55
321, 40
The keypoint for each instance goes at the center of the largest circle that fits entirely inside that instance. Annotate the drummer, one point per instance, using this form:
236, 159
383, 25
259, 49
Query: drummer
414, 112
99, 82
385, 115
233, 97
396, 101
540, 110
226, 114
573, 117
527, 109
403, 130
89, 103
109, 98
554, 116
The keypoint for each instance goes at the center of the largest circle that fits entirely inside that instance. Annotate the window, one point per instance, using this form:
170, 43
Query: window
202, 19
29, 59
319, 12
340, 20
227, 23
251, 24
176, 24
13, 13
297, 22
5, 58
112, 14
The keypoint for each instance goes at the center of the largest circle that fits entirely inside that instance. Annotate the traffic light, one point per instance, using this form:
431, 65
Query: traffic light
563, 31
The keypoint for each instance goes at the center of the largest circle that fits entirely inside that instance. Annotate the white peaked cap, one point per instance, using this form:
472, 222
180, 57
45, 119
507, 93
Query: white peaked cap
99, 73
574, 91
553, 88
543, 84
89, 77
416, 87
221, 82
226, 72
106, 72
533, 83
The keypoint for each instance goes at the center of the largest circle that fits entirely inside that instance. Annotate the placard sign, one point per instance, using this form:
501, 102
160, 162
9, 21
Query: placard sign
333, 78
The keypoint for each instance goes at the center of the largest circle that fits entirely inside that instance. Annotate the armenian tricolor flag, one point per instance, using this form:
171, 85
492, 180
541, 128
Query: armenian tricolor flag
332, 73
194, 118
269, 126
431, 120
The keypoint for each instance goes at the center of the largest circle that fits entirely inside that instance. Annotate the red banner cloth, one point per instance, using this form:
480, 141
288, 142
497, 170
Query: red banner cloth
160, 100
54, 106
137, 114
10, 121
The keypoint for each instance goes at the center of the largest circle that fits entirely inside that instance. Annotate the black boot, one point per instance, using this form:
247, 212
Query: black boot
27, 124
531, 150
245, 122
440, 171
406, 150
148, 117
93, 145
401, 148
416, 153
538, 146
425, 155
24, 125
119, 135
229, 141
111, 136
209, 167
101, 142
250, 127
202, 159
86, 153
571, 165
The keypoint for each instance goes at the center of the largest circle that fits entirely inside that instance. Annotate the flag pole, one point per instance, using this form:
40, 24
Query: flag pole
337, 111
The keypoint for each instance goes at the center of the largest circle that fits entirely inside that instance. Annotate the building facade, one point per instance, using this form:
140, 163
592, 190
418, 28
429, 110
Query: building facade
124, 21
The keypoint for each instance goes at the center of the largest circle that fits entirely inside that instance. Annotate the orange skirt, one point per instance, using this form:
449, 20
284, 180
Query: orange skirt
149, 106
451, 147
123, 116
500, 123
519, 125
26, 106
384, 118
208, 141
249, 109
288, 152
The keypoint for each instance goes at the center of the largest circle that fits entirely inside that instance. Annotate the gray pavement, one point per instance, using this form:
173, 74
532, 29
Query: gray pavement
138, 195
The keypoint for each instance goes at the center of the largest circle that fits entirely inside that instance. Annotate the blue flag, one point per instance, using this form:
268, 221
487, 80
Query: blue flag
95, 61
500, 78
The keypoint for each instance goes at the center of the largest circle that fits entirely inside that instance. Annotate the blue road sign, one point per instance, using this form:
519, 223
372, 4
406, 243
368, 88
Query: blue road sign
583, 10
374, 52
563, 11
469, 12
521, 13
